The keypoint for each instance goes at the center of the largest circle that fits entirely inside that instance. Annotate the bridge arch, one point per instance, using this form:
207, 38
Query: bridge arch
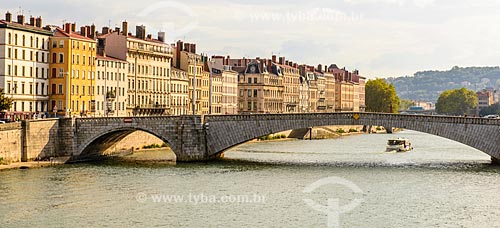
224, 132
99, 143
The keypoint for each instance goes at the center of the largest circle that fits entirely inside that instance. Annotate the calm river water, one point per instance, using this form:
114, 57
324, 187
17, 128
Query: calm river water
439, 184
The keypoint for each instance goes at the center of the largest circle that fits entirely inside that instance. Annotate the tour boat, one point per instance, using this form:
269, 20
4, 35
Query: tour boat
399, 145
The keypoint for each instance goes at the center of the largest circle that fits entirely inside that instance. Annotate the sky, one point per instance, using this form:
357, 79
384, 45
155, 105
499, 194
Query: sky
380, 38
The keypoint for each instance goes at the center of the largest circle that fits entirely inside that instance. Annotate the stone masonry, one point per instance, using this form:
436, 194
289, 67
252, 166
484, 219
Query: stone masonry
197, 139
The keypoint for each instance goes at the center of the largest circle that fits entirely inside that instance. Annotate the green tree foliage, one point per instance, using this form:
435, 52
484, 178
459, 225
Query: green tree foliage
380, 96
457, 102
5, 102
492, 110
405, 104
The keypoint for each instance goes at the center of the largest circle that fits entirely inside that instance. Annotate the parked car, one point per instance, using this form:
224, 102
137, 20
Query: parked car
6, 120
2, 122
491, 117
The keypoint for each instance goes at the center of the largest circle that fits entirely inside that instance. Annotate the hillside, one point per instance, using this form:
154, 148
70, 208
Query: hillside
427, 85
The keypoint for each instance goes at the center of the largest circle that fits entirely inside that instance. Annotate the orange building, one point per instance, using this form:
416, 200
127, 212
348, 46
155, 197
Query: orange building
72, 71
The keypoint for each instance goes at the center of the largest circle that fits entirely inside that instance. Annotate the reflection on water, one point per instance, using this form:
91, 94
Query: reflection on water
439, 184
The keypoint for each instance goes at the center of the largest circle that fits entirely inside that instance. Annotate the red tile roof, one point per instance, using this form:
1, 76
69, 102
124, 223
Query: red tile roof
62, 33
109, 58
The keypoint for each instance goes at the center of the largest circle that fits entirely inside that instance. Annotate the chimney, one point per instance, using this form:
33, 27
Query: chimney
193, 48
105, 30
38, 22
83, 31
186, 47
320, 68
161, 36
20, 19
286, 62
150, 37
67, 28
32, 21
227, 60
73, 27
125, 28
117, 29
140, 32
274, 58
8, 17
92, 31
89, 31
282, 60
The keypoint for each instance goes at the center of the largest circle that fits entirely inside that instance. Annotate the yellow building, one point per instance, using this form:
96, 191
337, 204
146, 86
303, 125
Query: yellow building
72, 71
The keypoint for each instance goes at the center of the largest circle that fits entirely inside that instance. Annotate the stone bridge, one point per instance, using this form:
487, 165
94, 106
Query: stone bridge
203, 138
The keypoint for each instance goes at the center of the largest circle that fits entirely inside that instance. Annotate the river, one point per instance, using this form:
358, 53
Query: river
439, 184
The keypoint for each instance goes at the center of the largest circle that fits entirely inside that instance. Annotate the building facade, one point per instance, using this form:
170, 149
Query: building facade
179, 93
24, 66
186, 59
72, 71
149, 68
111, 89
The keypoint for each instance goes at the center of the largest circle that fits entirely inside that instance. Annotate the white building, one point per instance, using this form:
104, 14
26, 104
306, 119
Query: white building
24, 65
111, 86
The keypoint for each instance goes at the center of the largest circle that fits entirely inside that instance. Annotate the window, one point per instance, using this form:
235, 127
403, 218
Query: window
43, 43
31, 88
61, 43
249, 93
36, 43
255, 93
31, 41
61, 58
24, 54
10, 38
54, 44
24, 40
23, 88
61, 73
255, 80
9, 54
249, 81
60, 89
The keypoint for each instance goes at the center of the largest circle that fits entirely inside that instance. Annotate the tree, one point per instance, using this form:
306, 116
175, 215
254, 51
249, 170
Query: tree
457, 102
5, 102
405, 104
381, 97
